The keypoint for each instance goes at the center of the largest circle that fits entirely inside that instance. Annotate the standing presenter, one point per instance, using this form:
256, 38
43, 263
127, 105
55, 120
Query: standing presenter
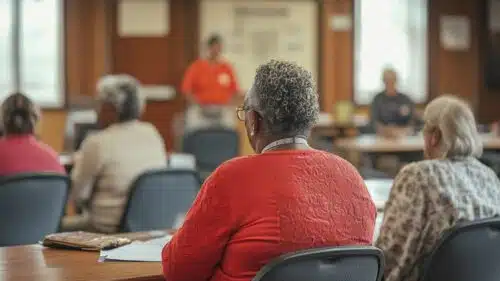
211, 88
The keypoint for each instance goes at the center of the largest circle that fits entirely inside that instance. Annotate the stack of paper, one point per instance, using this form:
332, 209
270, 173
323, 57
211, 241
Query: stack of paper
149, 251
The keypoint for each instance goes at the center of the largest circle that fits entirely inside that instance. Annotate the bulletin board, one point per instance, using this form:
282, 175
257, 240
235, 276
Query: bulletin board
255, 31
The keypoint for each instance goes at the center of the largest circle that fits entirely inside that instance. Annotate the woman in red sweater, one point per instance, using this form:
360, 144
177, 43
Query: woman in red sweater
289, 197
20, 152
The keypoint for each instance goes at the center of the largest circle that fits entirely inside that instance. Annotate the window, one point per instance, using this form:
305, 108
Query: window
32, 61
390, 33
6, 80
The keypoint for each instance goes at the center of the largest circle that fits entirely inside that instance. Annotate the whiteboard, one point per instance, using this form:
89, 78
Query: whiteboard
255, 31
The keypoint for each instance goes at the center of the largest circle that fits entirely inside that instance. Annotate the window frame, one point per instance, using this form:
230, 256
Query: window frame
428, 45
16, 43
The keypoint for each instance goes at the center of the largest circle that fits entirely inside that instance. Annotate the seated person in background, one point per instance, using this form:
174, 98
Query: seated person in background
289, 197
392, 112
20, 152
111, 159
210, 86
430, 196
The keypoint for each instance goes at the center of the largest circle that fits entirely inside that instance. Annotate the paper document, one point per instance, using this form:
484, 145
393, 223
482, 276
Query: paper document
149, 251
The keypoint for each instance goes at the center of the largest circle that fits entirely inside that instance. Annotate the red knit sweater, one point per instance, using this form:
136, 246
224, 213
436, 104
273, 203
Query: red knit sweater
253, 209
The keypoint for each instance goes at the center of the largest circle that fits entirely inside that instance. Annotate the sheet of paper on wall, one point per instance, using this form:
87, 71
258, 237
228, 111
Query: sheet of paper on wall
455, 32
158, 92
143, 18
149, 251
341, 23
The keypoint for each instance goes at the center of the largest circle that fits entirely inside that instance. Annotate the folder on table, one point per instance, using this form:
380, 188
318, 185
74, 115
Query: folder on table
86, 241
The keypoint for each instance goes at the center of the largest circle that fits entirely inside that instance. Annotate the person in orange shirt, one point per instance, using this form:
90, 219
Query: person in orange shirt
210, 86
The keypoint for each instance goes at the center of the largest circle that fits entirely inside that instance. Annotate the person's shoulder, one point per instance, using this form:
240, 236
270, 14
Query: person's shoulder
198, 63
417, 167
330, 157
378, 96
95, 139
224, 62
236, 165
146, 126
417, 174
48, 149
222, 179
405, 97
486, 172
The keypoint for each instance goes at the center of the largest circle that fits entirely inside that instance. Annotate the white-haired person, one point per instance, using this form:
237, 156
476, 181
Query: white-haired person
288, 197
110, 160
430, 196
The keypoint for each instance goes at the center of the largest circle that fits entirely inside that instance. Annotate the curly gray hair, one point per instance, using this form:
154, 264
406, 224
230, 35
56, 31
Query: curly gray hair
284, 93
122, 91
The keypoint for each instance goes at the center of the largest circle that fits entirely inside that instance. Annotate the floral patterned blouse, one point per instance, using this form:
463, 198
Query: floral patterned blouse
427, 198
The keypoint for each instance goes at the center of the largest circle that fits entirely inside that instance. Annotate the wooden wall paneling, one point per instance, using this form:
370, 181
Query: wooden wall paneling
454, 72
87, 48
337, 55
85, 55
489, 100
160, 61
327, 66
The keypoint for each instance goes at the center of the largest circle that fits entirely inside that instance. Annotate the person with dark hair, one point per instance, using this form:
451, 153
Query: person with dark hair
210, 85
20, 151
288, 197
111, 159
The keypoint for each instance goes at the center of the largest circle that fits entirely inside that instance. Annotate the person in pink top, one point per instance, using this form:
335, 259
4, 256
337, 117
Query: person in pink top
20, 151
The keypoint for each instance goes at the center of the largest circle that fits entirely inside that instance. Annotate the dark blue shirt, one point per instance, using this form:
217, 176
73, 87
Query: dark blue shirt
397, 110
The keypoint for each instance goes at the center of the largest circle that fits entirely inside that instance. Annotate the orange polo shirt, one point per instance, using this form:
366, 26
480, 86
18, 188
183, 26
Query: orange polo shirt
211, 83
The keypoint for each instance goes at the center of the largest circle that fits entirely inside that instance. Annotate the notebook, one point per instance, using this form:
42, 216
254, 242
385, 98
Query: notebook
88, 241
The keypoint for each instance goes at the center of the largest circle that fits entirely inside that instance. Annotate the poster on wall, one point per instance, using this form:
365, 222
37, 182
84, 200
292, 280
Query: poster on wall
455, 33
143, 18
255, 31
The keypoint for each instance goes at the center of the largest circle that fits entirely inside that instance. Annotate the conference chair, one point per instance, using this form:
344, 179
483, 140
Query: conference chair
32, 206
492, 160
211, 147
468, 251
348, 263
82, 130
159, 200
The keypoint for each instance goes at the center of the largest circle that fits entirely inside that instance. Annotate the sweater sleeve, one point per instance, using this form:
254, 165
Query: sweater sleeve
86, 168
198, 246
401, 229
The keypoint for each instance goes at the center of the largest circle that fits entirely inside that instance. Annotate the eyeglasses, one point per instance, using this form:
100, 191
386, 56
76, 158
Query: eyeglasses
240, 112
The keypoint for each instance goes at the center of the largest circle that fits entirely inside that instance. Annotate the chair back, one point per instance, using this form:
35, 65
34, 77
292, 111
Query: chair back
32, 206
159, 200
468, 251
350, 263
82, 130
211, 147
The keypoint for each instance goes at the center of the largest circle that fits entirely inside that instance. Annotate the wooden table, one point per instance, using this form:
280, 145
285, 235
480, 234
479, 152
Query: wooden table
372, 144
175, 160
376, 144
34, 262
